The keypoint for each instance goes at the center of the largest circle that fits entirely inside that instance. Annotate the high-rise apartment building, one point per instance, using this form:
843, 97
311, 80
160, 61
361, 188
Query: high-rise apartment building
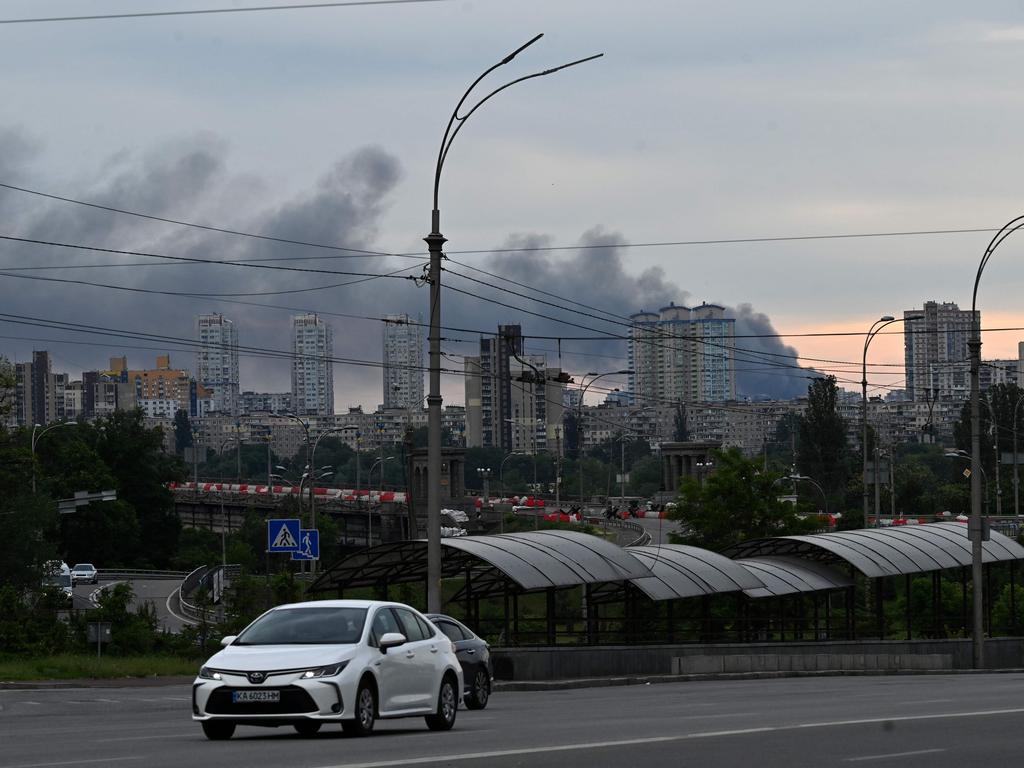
38, 392
312, 368
935, 346
680, 355
513, 400
217, 361
403, 362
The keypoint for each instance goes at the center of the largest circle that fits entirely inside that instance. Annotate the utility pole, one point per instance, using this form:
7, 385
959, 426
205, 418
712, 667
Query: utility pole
435, 241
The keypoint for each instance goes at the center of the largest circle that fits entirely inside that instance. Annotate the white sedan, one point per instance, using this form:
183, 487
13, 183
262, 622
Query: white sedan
84, 573
347, 661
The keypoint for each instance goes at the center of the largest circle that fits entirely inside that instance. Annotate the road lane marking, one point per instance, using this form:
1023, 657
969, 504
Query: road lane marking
94, 596
667, 739
147, 738
894, 754
74, 762
171, 610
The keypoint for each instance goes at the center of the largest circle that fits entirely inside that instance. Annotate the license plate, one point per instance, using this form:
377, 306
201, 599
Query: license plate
255, 697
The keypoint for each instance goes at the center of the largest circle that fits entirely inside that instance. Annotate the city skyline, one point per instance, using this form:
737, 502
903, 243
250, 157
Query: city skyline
791, 123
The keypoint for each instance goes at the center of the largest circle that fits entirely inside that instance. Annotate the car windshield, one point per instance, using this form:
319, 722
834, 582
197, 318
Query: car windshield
305, 626
83, 567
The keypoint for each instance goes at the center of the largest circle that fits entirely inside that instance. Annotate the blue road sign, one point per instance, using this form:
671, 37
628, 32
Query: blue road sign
309, 545
283, 535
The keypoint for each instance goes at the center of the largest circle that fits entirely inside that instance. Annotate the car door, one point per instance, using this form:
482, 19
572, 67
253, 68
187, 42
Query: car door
421, 653
393, 668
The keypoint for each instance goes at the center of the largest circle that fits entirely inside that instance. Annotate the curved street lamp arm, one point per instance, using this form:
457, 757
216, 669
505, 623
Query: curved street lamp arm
1008, 229
448, 136
460, 120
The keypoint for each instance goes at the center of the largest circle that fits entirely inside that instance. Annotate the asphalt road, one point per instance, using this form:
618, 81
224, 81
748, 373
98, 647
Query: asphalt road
156, 591
908, 722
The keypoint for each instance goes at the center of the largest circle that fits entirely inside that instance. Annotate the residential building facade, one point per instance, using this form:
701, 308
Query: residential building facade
217, 361
403, 362
312, 367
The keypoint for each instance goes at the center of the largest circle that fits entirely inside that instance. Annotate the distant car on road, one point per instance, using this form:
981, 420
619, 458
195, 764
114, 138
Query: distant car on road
474, 656
84, 573
347, 661
57, 575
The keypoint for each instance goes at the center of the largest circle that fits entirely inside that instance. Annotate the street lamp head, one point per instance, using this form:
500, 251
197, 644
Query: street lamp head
887, 318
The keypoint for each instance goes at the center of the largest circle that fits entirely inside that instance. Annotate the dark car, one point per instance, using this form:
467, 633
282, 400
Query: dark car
474, 655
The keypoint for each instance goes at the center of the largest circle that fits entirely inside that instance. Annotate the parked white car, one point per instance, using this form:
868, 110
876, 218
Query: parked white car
84, 573
347, 661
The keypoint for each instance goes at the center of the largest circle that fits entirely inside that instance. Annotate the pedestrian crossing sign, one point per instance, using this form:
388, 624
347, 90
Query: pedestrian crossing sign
283, 535
309, 545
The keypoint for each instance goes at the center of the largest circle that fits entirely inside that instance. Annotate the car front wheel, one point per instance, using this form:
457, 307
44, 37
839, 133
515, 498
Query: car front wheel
480, 691
447, 707
366, 712
218, 730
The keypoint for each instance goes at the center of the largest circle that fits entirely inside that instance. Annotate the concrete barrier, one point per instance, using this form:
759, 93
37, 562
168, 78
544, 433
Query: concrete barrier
576, 662
817, 662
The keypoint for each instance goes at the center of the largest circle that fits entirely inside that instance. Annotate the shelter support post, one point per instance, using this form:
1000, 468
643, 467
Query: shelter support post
670, 620
817, 617
988, 598
1013, 597
515, 618
505, 633
963, 599
591, 617
828, 615
936, 604
909, 610
879, 613
551, 615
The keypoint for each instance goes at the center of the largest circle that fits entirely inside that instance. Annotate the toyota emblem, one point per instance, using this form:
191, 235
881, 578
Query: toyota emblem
256, 677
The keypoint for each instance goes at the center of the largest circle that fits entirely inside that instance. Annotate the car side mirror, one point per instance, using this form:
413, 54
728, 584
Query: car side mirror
227, 640
391, 640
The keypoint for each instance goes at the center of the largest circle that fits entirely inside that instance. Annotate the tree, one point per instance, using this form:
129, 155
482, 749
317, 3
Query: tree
182, 431
734, 503
7, 392
822, 451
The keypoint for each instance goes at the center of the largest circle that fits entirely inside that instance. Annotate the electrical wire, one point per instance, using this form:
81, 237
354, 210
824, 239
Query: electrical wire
205, 11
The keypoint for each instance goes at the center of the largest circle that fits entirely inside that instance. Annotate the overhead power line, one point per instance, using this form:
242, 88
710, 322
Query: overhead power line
196, 260
205, 11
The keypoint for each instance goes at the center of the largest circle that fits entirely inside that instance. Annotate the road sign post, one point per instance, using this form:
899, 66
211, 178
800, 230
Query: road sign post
100, 632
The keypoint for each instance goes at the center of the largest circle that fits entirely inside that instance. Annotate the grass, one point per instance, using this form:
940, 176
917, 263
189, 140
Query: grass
74, 666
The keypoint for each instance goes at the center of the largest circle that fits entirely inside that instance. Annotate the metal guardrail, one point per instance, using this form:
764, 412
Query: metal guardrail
138, 573
190, 584
643, 537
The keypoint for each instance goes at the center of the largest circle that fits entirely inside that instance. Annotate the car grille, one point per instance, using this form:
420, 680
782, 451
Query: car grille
293, 700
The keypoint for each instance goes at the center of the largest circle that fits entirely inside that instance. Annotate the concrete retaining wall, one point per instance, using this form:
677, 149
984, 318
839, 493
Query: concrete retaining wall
573, 662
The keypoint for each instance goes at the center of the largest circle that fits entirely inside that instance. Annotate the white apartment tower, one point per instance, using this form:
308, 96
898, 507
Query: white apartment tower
312, 369
403, 362
682, 355
217, 361
937, 363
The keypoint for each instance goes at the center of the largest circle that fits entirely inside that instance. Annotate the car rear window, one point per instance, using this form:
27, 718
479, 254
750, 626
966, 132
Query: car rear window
305, 626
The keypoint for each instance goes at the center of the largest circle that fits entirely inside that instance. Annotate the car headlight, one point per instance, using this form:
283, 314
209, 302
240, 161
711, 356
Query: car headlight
209, 674
328, 671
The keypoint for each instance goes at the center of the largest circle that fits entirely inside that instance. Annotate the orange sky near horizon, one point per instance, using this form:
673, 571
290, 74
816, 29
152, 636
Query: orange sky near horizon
886, 348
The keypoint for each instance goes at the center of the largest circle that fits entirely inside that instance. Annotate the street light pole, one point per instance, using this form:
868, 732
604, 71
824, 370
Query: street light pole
877, 326
585, 385
36, 439
976, 527
1016, 475
435, 240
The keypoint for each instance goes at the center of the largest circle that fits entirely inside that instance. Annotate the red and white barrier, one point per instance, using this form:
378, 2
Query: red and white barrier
398, 497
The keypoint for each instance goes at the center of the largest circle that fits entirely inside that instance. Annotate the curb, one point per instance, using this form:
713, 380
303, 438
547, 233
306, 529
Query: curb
609, 682
112, 682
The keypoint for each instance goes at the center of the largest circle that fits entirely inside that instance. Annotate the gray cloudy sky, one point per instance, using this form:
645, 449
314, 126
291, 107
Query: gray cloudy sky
703, 121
